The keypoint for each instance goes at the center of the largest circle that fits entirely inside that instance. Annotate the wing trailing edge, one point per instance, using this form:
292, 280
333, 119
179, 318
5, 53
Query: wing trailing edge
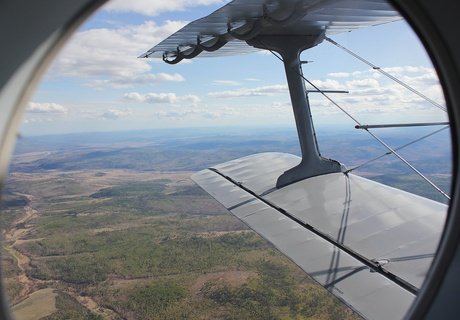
369, 244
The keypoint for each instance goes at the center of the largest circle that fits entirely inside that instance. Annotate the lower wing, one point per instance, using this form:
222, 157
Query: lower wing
369, 244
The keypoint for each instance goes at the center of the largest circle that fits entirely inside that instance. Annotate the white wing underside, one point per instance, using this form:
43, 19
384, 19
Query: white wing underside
330, 225
313, 17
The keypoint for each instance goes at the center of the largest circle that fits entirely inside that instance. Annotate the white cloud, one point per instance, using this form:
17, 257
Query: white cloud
251, 92
190, 98
421, 80
160, 98
362, 83
173, 114
151, 97
114, 114
371, 94
368, 93
281, 106
407, 69
226, 83
168, 98
339, 74
133, 96
153, 8
195, 113
46, 107
328, 84
112, 54
223, 112
212, 115
228, 111
129, 81
30, 120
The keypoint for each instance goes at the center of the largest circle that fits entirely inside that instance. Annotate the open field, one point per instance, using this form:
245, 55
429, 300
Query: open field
39, 304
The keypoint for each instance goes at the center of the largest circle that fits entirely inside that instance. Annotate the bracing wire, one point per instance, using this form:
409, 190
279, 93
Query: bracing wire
377, 68
409, 165
391, 150
318, 89
396, 149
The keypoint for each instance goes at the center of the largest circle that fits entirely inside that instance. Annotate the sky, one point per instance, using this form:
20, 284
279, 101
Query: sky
97, 83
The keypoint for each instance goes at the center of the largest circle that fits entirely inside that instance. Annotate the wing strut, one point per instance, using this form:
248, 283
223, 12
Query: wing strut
290, 47
359, 124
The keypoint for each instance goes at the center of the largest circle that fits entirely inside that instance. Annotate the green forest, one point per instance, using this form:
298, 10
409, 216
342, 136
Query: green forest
114, 229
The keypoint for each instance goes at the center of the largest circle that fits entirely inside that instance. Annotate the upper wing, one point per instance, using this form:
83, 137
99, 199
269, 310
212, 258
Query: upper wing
224, 31
369, 244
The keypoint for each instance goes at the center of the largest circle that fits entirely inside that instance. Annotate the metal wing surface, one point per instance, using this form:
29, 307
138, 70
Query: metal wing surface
369, 244
225, 28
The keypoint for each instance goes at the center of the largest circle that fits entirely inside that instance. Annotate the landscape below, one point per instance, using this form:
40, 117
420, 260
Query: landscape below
110, 226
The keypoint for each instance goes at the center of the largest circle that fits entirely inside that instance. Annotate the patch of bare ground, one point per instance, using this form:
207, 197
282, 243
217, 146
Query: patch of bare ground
39, 304
21, 227
127, 225
231, 278
172, 186
95, 180
90, 304
116, 283
30, 157
22, 241
117, 227
114, 177
234, 278
216, 234
127, 283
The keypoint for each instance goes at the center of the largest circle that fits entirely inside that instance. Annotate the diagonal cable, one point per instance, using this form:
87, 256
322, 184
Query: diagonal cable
391, 150
377, 68
409, 165
396, 149
316, 88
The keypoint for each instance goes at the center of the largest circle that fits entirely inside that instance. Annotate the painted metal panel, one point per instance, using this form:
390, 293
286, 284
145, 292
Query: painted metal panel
397, 229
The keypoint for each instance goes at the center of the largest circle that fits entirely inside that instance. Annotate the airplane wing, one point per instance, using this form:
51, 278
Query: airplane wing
224, 31
369, 244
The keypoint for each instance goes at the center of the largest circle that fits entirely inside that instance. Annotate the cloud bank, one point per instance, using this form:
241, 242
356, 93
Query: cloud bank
108, 57
153, 8
46, 108
164, 98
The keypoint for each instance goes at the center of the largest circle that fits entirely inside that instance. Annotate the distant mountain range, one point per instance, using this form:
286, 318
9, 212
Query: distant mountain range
195, 149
